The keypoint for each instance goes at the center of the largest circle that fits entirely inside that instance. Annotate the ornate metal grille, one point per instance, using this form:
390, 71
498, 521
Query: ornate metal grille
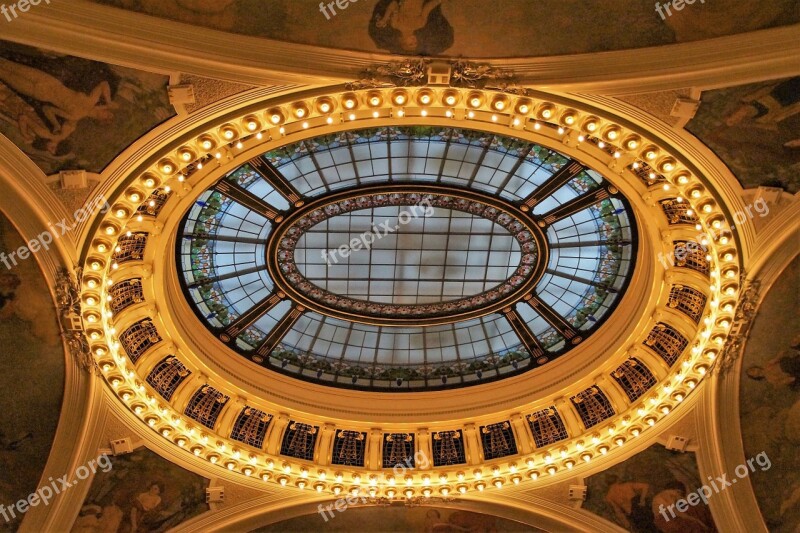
678, 212
206, 405
348, 448
498, 440
138, 338
448, 448
167, 375
125, 294
299, 440
130, 247
689, 301
547, 427
646, 173
398, 449
634, 377
152, 206
689, 254
592, 406
251, 427
666, 342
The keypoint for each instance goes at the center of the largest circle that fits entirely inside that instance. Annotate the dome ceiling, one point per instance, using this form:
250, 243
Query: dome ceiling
406, 257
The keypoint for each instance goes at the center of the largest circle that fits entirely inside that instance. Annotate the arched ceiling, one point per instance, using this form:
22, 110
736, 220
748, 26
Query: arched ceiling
221, 421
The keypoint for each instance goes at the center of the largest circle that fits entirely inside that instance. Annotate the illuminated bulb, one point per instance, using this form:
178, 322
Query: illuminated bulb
569, 464
90, 301
635, 432
470, 115
400, 112
669, 167
560, 130
283, 481
337, 490
635, 164
516, 122
274, 119
632, 144
612, 134
547, 113
496, 471
591, 125
208, 145
480, 486
536, 126
619, 441
324, 107
586, 457
91, 284
533, 475
349, 103
259, 136
442, 478
425, 99
448, 113
650, 154
199, 165
498, 483
551, 470
375, 101
110, 230
329, 120
305, 125
478, 474
301, 484
475, 102
603, 449
494, 118
424, 112
462, 489
601, 144
218, 155
252, 125
228, 134
530, 463
499, 105
696, 193
281, 130
264, 476
617, 154
523, 108
352, 116
460, 476
408, 493
581, 138
451, 100
400, 99
300, 112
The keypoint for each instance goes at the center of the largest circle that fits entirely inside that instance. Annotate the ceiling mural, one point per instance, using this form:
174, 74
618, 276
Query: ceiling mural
467, 28
141, 493
69, 113
400, 519
770, 400
755, 130
637, 494
31, 393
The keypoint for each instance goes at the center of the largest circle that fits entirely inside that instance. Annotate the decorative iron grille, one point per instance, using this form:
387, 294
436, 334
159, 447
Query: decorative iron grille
299, 440
688, 300
678, 212
138, 338
592, 406
547, 427
167, 375
689, 254
130, 247
398, 449
206, 405
498, 440
634, 378
348, 448
154, 203
125, 294
448, 448
666, 342
251, 427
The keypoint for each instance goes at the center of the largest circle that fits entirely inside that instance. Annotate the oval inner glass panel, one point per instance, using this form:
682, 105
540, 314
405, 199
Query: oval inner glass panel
407, 255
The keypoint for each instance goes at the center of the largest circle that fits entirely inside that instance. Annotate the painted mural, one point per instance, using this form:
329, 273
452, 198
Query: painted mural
473, 28
141, 493
770, 400
71, 113
631, 494
755, 130
32, 377
399, 519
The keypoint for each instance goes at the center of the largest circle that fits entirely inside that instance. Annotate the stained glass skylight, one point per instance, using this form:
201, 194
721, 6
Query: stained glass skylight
412, 251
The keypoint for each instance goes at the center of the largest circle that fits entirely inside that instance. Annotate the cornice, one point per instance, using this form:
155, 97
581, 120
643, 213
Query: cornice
135, 40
